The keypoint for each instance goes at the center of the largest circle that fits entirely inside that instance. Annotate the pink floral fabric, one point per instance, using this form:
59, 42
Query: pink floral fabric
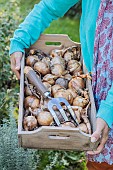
102, 76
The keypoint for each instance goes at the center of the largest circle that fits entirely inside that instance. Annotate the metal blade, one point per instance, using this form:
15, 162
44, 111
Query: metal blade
73, 114
61, 110
55, 102
50, 107
63, 100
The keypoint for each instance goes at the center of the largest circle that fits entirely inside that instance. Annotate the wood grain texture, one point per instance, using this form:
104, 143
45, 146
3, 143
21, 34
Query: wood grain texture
62, 38
49, 137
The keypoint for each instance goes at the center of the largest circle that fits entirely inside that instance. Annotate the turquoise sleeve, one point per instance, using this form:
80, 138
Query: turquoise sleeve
35, 23
106, 108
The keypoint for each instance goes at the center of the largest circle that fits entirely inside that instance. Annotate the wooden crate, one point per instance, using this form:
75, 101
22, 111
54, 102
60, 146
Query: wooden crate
48, 137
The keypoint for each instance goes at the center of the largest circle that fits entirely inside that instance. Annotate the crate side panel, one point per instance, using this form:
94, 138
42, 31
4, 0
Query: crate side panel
21, 96
73, 141
63, 39
56, 138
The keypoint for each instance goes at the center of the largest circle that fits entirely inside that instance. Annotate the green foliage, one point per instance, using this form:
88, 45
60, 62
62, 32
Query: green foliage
27, 6
8, 22
11, 156
61, 160
6, 96
65, 26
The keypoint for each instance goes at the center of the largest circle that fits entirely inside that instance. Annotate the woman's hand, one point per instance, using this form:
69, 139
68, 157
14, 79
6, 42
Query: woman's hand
102, 131
15, 63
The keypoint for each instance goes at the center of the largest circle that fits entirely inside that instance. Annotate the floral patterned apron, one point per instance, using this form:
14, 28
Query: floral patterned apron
102, 75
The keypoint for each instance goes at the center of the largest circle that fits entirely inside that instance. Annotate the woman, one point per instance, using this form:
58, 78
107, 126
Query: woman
96, 42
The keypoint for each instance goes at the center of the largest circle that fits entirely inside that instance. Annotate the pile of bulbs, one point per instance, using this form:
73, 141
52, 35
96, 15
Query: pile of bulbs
61, 72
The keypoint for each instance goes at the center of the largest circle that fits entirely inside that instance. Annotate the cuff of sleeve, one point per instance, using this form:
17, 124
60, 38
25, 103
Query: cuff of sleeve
16, 46
106, 113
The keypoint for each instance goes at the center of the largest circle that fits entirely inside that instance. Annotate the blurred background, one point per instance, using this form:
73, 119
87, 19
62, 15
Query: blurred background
12, 13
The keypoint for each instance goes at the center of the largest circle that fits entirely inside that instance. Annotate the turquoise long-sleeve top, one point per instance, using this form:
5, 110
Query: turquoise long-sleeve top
40, 18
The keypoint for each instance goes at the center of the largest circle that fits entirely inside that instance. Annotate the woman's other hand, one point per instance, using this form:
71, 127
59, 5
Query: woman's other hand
102, 131
15, 63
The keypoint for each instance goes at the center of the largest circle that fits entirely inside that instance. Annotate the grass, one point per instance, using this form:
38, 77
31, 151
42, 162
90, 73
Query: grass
65, 26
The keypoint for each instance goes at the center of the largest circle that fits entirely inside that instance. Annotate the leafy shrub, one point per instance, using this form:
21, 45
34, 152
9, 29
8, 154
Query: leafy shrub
61, 160
8, 22
11, 156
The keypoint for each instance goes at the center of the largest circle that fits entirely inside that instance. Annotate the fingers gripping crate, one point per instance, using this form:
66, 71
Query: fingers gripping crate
49, 137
